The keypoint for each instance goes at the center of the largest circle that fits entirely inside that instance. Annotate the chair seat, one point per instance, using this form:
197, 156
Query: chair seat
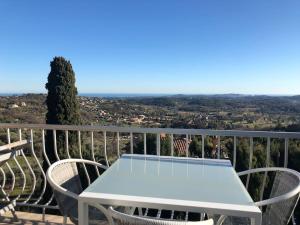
242, 221
237, 220
95, 216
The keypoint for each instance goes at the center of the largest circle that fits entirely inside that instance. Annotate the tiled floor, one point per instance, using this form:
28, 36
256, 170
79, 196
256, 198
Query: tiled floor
25, 218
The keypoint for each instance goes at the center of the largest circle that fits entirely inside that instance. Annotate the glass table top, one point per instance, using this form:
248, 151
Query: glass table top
204, 180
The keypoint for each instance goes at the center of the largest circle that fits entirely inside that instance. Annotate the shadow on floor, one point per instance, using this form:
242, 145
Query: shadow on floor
24, 218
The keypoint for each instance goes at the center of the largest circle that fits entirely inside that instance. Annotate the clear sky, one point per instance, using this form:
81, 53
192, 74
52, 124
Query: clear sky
153, 46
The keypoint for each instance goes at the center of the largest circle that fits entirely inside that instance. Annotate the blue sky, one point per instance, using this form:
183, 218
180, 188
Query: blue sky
153, 46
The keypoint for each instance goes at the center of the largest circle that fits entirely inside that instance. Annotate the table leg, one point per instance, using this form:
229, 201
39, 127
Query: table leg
83, 213
256, 220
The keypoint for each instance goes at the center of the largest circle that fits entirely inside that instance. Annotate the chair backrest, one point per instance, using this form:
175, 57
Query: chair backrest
120, 218
280, 213
66, 175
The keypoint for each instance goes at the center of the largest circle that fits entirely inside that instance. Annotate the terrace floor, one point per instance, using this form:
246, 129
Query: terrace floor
26, 218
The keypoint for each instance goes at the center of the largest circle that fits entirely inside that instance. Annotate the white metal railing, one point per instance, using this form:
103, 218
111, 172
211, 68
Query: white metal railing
27, 166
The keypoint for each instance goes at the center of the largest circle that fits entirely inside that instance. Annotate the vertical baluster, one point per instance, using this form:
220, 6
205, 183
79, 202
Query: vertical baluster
80, 153
219, 147
145, 143
48, 162
44, 147
172, 214
67, 143
286, 152
158, 214
8, 166
187, 145
118, 144
41, 169
21, 169
30, 169
172, 145
131, 143
202, 216
79, 143
55, 145
250, 161
92, 146
105, 148
20, 134
93, 152
234, 151
8, 135
267, 165
202, 144
186, 216
32, 152
158, 144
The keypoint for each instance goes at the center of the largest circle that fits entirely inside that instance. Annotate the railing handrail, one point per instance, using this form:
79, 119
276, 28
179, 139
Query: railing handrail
205, 132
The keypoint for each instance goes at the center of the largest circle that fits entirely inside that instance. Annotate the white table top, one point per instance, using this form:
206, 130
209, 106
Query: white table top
143, 180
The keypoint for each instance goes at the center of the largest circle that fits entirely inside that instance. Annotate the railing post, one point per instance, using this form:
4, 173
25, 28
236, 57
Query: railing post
105, 148
172, 145
93, 152
80, 154
118, 144
8, 166
158, 144
250, 161
219, 147
131, 143
67, 143
145, 143
21, 169
187, 145
41, 169
55, 145
234, 151
286, 152
202, 145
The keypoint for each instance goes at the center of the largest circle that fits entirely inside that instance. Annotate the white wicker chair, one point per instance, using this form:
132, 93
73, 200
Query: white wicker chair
64, 179
282, 202
120, 218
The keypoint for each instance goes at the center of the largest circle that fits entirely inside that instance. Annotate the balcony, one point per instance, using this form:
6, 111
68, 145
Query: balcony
24, 181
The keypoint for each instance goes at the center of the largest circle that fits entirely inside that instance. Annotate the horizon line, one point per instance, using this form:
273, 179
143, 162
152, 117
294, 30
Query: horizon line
107, 94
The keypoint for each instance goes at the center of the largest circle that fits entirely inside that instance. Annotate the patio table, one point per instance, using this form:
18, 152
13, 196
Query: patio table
174, 183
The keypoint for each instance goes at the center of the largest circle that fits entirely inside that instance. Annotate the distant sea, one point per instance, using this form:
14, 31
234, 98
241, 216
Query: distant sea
11, 94
121, 95
103, 95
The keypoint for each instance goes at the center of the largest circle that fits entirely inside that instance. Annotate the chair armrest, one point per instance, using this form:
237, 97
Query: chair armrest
85, 161
58, 187
280, 198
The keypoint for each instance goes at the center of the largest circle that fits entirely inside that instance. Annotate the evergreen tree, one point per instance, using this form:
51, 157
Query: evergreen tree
62, 104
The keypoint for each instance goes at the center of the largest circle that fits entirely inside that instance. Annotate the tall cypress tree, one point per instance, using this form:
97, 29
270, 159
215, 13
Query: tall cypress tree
62, 107
62, 104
